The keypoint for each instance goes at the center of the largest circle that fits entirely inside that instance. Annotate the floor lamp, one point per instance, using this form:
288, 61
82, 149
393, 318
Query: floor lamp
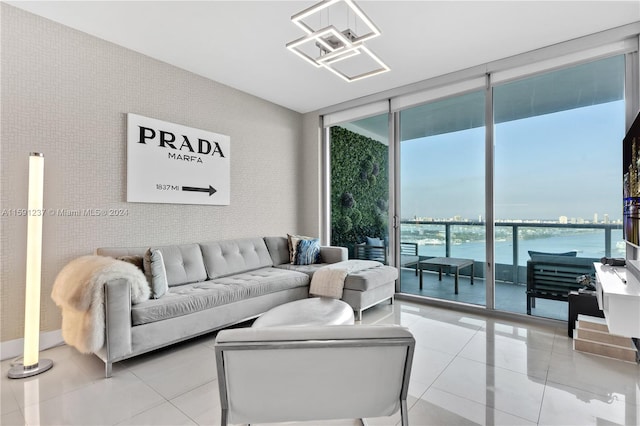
30, 364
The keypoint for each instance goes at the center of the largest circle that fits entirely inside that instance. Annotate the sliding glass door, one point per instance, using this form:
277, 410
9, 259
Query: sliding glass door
558, 174
442, 198
359, 176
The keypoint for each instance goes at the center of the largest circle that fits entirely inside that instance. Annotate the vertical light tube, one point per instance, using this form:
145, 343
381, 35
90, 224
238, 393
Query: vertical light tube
31, 364
34, 260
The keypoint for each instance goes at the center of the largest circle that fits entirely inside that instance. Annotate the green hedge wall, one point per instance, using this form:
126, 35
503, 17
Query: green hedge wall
359, 188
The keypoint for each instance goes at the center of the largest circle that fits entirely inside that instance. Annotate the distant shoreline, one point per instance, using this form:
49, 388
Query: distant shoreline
467, 244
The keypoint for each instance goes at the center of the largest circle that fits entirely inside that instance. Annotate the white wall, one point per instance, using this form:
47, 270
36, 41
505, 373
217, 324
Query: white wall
65, 93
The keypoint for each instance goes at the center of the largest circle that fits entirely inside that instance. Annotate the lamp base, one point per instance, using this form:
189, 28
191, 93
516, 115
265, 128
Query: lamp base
19, 371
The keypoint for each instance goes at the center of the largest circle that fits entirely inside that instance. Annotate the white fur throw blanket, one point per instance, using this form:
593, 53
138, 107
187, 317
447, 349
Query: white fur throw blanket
328, 281
79, 291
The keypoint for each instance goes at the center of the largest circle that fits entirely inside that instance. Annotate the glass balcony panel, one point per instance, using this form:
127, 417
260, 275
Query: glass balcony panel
442, 197
558, 149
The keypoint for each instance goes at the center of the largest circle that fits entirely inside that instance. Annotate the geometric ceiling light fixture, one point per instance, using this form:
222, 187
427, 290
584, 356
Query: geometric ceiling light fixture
354, 64
335, 34
340, 13
314, 46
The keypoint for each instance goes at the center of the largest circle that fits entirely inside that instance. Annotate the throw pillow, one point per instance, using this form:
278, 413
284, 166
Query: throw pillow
293, 245
377, 242
156, 273
308, 252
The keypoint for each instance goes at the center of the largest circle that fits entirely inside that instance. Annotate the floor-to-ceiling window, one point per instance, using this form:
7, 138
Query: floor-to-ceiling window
442, 202
558, 172
544, 176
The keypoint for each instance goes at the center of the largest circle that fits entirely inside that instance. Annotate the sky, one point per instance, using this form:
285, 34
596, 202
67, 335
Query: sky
567, 163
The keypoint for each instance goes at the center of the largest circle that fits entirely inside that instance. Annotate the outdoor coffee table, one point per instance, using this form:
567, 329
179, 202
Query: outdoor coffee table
450, 262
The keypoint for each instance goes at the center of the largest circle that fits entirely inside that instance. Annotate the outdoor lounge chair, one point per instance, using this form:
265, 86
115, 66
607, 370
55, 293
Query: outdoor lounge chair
408, 254
553, 277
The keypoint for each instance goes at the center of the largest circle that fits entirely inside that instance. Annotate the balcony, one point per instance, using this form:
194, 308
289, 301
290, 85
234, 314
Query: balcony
466, 239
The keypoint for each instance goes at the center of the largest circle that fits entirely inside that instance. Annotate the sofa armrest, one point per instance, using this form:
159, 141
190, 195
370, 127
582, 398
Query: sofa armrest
333, 254
117, 307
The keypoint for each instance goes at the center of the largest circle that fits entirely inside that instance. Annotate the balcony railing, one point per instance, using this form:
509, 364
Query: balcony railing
514, 229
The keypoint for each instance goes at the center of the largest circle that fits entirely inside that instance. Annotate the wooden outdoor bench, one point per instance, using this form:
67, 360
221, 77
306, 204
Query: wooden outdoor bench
553, 277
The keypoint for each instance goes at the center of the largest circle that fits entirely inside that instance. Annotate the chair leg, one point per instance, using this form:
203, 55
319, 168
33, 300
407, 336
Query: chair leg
224, 417
404, 414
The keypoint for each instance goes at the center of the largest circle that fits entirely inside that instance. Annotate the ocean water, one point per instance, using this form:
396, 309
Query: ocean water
588, 243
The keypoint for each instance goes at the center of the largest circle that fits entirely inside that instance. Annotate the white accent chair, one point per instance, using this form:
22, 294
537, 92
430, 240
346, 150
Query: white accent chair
279, 374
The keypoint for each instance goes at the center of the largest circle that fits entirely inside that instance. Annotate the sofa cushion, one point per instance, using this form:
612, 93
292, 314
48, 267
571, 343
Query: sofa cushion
278, 249
307, 269
566, 260
534, 254
196, 297
183, 263
370, 278
374, 241
228, 257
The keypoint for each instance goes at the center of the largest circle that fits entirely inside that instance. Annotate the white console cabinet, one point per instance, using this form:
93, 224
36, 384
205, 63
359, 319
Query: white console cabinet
618, 293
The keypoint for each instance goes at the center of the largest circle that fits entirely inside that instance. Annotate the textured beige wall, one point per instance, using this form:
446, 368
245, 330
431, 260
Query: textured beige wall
310, 189
66, 94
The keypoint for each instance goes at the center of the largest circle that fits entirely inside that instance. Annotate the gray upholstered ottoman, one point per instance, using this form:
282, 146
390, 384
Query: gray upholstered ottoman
369, 287
305, 312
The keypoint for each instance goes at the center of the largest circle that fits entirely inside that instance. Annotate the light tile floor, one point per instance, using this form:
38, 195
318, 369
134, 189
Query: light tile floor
468, 369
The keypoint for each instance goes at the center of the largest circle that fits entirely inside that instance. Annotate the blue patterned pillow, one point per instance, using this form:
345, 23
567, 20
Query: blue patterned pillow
308, 252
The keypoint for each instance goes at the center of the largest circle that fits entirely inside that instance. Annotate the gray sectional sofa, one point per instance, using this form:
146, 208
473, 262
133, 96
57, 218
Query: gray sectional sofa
213, 285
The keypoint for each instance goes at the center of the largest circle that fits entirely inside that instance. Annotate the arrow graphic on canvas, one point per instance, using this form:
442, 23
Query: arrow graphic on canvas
211, 190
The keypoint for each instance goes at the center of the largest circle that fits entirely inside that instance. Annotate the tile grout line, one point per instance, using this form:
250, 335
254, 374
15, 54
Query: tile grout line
443, 370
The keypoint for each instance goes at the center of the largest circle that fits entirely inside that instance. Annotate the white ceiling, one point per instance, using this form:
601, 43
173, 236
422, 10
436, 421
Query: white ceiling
242, 43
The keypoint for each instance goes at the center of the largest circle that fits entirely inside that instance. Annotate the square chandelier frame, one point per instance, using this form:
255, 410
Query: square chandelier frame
334, 45
330, 59
299, 17
320, 39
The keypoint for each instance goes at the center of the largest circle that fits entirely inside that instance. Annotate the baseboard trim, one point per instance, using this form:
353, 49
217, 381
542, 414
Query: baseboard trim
14, 348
